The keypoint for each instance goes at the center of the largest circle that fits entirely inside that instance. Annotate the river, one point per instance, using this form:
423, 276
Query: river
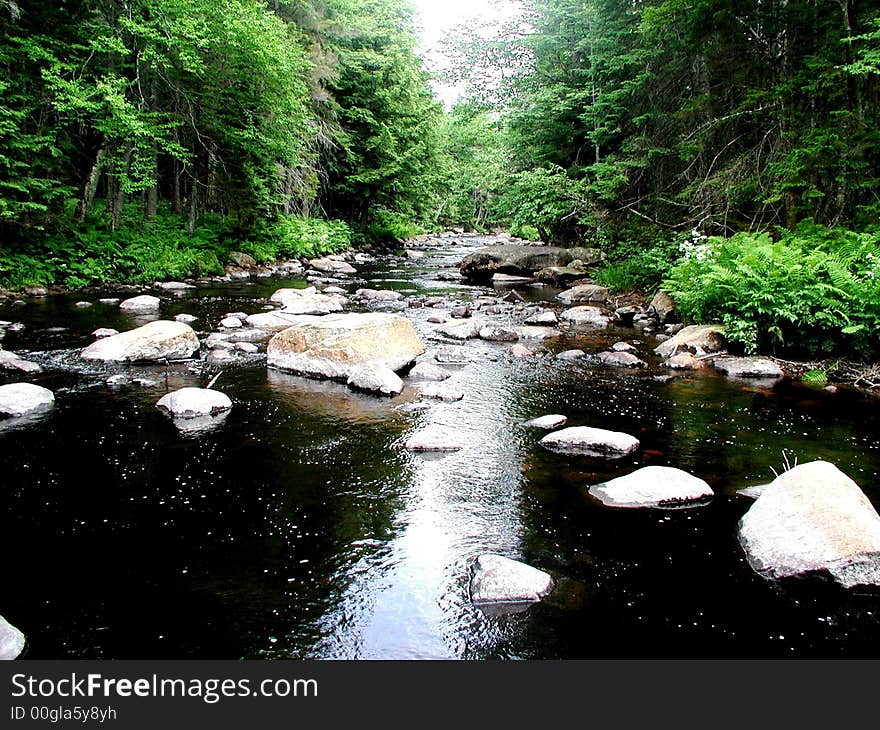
302, 528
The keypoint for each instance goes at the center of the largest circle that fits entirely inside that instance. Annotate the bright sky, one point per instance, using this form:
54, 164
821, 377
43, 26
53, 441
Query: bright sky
437, 17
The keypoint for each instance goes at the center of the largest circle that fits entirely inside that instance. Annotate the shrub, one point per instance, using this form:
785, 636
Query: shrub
636, 266
815, 290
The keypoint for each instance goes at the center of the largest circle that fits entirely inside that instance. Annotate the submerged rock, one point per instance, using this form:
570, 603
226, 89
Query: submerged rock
378, 295
547, 423
144, 303
334, 346
12, 641
438, 391
194, 403
497, 579
154, 342
811, 519
698, 339
586, 441
653, 486
22, 399
748, 367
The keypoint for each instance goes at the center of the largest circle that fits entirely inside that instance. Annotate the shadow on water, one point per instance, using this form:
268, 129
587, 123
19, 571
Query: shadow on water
301, 527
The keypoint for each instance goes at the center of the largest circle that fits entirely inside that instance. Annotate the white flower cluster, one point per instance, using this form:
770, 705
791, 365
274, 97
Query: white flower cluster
697, 246
873, 261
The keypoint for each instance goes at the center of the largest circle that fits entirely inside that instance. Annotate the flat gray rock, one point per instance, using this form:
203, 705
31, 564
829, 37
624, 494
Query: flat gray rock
429, 371
545, 318
144, 303
813, 518
438, 391
584, 294
498, 333
586, 441
620, 360
653, 486
497, 579
571, 355
586, 317
435, 439
547, 423
12, 641
22, 399
748, 367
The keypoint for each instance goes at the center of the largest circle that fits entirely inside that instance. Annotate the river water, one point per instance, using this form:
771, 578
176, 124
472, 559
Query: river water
302, 528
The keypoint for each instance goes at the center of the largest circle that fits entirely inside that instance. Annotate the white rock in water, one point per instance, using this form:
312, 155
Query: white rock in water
620, 360
548, 423
653, 486
194, 403
333, 346
813, 518
330, 265
498, 333
584, 293
173, 285
21, 399
587, 441
153, 342
185, 318
547, 317
378, 295
11, 641
102, 332
83, 305
230, 323
375, 380
748, 367
428, 371
273, 321
435, 439
587, 316
498, 579
145, 303
571, 355
462, 329
109, 300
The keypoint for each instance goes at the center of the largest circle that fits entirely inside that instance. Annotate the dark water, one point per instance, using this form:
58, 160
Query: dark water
302, 528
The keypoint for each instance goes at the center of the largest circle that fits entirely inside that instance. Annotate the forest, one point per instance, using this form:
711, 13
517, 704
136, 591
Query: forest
727, 151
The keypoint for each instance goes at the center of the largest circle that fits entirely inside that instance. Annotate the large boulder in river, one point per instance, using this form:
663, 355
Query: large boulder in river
154, 342
497, 579
586, 441
11, 641
307, 301
523, 260
653, 486
813, 519
698, 339
22, 399
194, 403
335, 346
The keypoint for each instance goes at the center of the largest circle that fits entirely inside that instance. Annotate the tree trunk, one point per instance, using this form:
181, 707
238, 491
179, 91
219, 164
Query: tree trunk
91, 186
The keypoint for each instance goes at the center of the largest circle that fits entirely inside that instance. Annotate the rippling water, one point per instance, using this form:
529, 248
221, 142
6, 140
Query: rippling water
302, 528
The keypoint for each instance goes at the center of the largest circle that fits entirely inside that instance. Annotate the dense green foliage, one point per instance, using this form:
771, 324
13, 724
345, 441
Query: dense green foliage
128, 123
715, 114
815, 289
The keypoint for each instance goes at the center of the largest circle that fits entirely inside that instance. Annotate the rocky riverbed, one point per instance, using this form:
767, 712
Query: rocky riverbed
437, 453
